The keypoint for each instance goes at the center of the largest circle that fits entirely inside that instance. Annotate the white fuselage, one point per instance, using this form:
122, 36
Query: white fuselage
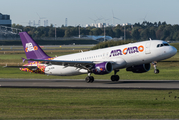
121, 56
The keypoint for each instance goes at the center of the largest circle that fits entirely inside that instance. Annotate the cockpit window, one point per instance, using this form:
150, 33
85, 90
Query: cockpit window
164, 44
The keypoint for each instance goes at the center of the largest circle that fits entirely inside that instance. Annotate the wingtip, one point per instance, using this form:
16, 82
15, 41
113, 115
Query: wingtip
5, 66
23, 59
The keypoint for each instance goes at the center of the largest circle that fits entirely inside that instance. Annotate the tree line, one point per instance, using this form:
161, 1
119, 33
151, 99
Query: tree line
138, 31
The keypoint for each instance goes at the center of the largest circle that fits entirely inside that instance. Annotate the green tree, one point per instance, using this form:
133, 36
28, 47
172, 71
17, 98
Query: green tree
110, 32
159, 34
67, 33
145, 34
51, 32
176, 35
60, 32
118, 32
152, 34
97, 31
135, 34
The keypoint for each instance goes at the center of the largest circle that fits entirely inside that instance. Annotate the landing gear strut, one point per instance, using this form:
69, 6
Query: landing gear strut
156, 71
115, 77
89, 78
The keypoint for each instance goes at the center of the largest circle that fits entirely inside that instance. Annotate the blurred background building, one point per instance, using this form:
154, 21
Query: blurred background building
5, 20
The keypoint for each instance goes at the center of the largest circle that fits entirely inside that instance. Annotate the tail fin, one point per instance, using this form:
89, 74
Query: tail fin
31, 48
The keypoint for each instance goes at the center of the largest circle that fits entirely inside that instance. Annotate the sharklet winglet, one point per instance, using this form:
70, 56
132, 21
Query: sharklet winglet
23, 59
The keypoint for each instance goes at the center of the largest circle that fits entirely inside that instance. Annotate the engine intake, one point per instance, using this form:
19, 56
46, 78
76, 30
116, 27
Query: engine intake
102, 68
139, 68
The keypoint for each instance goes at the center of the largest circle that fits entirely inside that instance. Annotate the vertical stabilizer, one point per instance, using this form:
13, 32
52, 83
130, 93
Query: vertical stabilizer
31, 48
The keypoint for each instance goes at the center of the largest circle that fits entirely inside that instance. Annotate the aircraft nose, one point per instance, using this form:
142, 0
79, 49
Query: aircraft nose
174, 50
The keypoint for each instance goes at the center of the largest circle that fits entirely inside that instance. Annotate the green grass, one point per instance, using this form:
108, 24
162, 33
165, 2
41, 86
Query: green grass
176, 45
165, 74
29, 103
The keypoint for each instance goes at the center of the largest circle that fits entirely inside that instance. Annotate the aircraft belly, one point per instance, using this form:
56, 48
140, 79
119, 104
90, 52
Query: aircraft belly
119, 63
133, 59
64, 71
138, 59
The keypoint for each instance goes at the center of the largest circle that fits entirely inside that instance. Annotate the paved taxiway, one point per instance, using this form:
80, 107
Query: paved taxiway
99, 84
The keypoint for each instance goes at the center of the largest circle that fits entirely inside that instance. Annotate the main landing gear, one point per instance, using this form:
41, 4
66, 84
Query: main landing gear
89, 78
156, 71
115, 77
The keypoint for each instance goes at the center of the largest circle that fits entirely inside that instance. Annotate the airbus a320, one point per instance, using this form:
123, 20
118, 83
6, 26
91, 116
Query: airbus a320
136, 57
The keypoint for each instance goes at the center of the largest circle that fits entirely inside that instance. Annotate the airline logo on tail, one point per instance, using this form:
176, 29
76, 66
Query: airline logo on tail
29, 47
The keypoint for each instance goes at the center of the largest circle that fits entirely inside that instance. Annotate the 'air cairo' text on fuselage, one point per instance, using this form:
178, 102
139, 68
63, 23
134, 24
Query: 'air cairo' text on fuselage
125, 51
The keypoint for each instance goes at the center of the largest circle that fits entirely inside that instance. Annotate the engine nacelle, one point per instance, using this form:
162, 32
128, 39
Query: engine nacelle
139, 68
102, 68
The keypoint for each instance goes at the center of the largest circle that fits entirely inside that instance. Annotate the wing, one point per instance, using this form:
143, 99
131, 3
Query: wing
29, 67
79, 64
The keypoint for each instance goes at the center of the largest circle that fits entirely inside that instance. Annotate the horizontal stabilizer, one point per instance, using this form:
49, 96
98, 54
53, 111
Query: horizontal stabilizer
30, 67
23, 59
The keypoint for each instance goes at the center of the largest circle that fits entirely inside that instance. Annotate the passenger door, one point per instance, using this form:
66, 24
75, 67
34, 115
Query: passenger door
147, 48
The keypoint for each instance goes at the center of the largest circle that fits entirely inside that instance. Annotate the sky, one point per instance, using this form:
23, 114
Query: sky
86, 11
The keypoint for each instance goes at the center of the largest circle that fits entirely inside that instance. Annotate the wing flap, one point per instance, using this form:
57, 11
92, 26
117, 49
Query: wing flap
79, 64
63, 62
88, 65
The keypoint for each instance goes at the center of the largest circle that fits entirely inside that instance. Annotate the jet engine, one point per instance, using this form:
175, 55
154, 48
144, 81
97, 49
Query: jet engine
102, 68
139, 68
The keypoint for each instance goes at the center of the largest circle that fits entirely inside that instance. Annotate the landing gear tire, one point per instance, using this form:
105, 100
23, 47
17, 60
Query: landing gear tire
89, 79
114, 78
156, 71
92, 79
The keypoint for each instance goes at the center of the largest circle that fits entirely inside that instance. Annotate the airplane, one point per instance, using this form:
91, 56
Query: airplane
135, 57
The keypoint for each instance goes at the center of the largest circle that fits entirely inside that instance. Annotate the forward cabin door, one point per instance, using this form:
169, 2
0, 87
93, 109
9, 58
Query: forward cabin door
147, 48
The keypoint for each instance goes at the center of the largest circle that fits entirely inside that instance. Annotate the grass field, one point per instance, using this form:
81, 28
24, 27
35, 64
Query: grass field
28, 103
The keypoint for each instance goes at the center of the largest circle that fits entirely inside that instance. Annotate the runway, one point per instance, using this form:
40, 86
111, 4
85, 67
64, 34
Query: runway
97, 84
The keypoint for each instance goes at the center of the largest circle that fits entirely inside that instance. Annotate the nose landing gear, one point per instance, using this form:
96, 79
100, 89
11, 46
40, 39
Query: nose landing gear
156, 71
